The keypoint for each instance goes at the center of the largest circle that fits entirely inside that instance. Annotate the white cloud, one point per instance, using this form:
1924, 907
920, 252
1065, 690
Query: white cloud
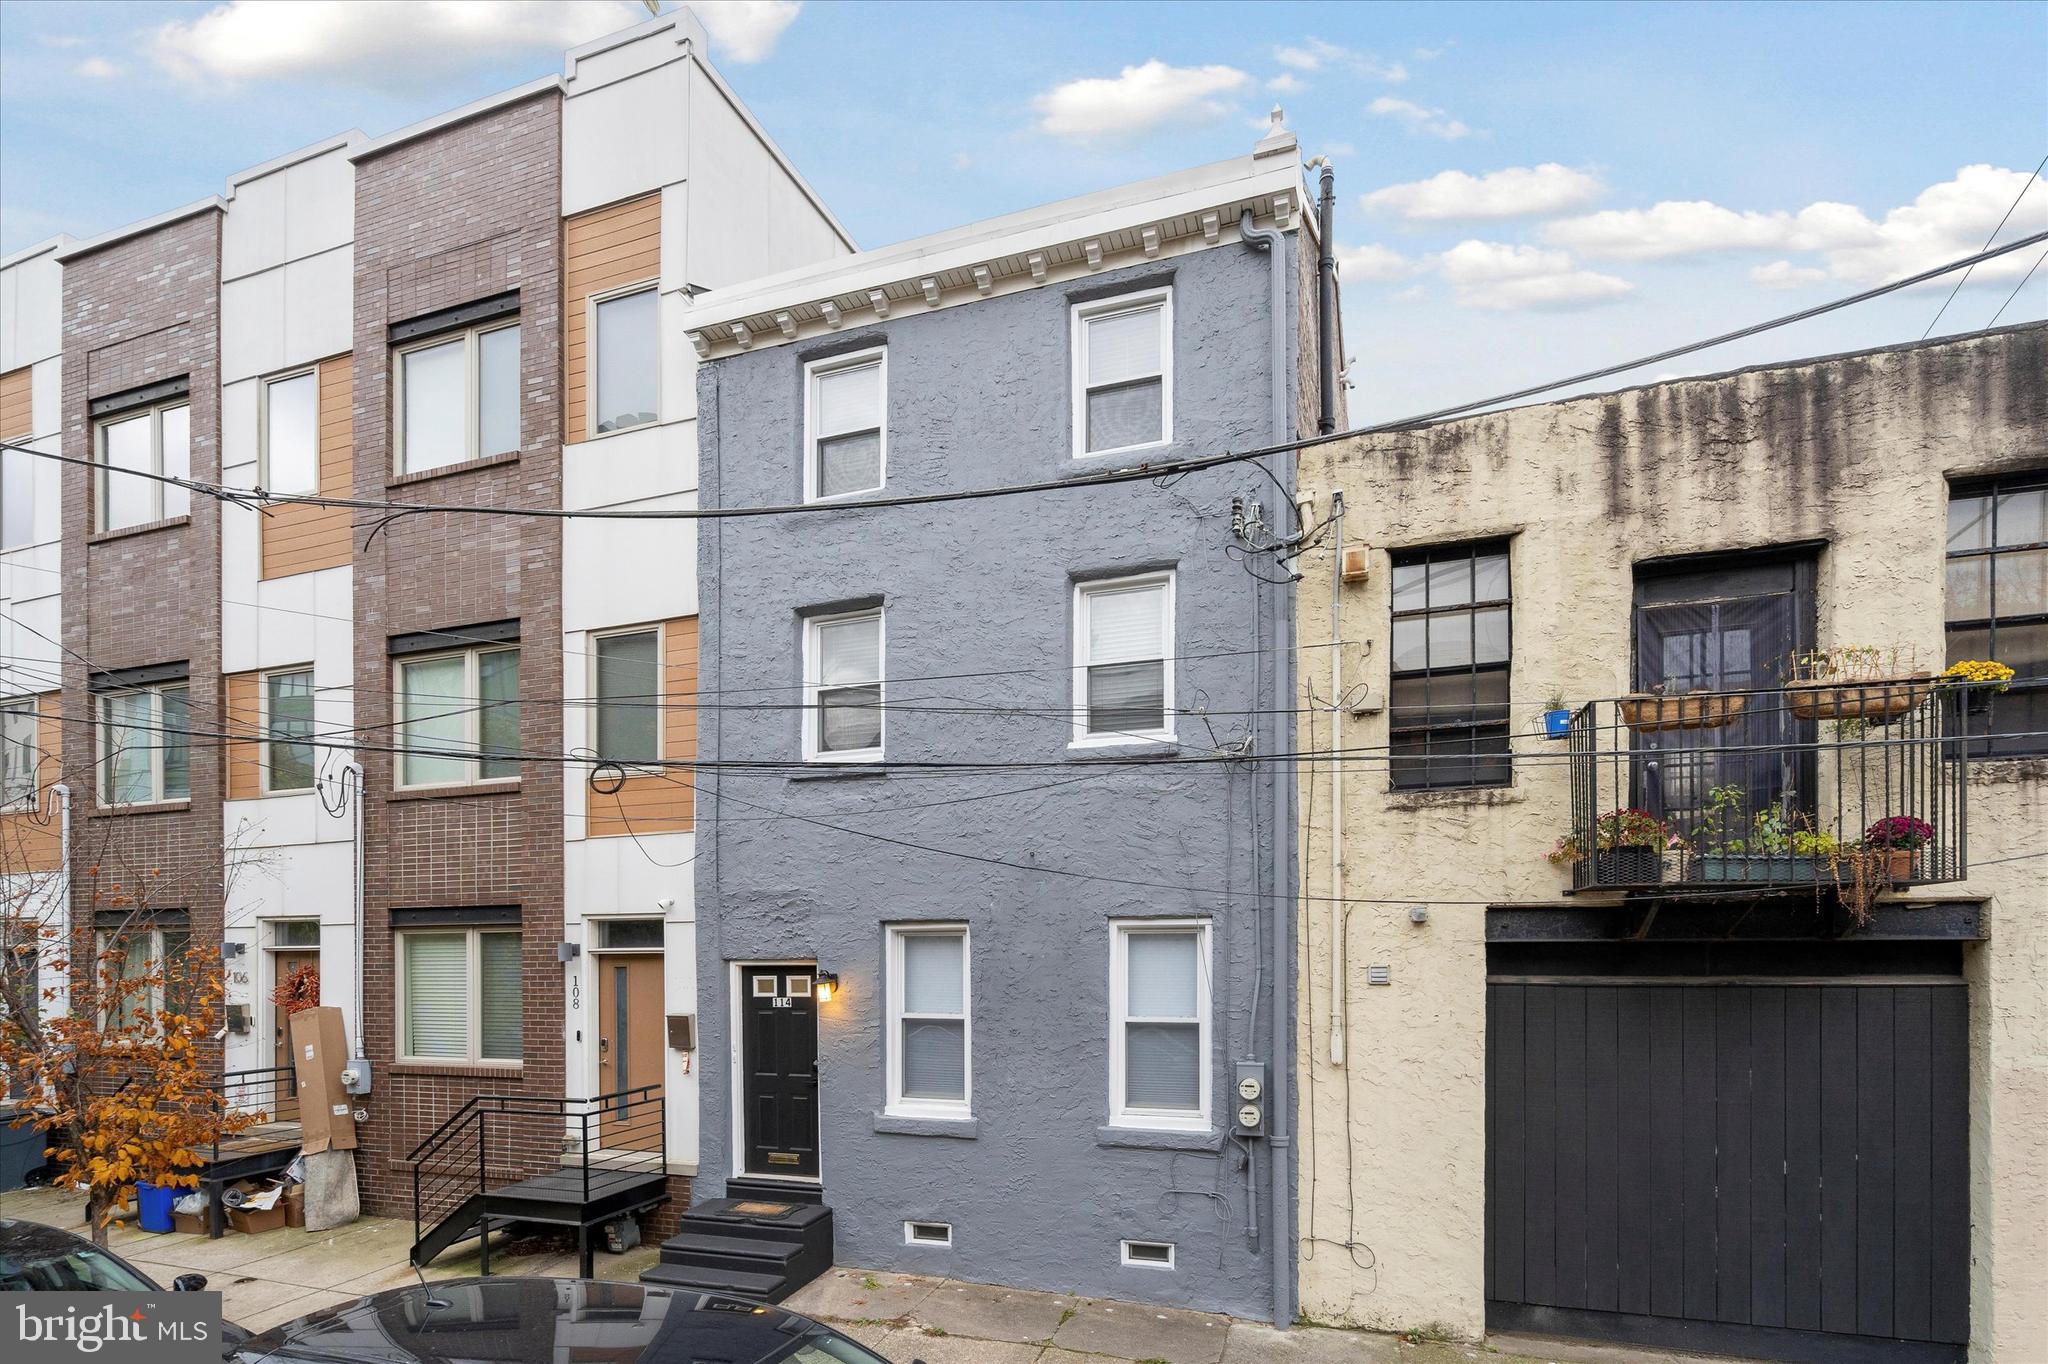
1137, 99
1516, 192
97, 68
1376, 264
1418, 119
1313, 54
745, 31
1286, 83
1504, 278
1783, 274
1696, 227
962, 161
1944, 222
391, 44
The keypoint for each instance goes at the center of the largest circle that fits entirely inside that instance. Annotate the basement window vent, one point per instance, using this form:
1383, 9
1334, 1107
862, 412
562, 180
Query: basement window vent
1148, 1254
928, 1233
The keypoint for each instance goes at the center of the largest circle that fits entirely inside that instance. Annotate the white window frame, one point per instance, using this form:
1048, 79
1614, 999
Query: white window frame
159, 734
876, 357
472, 414
103, 472
26, 800
911, 1238
1083, 591
813, 665
1081, 314
151, 1000
897, 1103
1156, 1119
1132, 1262
659, 629
271, 788
263, 475
590, 332
474, 969
472, 714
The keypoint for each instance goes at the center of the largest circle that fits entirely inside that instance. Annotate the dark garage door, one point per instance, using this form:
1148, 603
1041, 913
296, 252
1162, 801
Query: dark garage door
1774, 1169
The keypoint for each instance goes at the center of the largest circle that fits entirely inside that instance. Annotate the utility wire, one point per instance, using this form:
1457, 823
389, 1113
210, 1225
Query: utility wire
1987, 242
1129, 474
2016, 290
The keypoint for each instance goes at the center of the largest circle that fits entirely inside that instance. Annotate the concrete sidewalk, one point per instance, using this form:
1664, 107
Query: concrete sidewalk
275, 1276
908, 1317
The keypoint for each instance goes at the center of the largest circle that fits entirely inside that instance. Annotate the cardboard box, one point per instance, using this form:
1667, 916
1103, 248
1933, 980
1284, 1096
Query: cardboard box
193, 1222
249, 1222
294, 1202
319, 1053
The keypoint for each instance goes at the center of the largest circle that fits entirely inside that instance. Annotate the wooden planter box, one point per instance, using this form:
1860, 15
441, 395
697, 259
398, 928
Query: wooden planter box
1874, 701
1649, 714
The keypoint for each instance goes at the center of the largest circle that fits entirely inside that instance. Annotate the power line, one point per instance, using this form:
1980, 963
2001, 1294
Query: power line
1987, 241
2016, 290
1130, 474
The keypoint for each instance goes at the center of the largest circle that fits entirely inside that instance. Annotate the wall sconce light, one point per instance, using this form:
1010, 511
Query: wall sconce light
827, 983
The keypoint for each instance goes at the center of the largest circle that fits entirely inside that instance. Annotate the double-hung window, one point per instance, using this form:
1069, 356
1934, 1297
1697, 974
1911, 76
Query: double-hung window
1998, 606
1448, 692
145, 745
626, 390
291, 433
459, 995
1123, 660
1123, 372
458, 398
132, 447
145, 969
1159, 1024
628, 719
287, 725
18, 752
843, 687
845, 424
458, 717
930, 1044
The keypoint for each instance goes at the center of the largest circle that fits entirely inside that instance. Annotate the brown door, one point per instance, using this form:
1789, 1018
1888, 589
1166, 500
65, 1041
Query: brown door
629, 1049
286, 1105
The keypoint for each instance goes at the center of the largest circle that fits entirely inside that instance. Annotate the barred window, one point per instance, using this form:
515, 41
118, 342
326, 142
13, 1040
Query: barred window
1448, 692
1998, 606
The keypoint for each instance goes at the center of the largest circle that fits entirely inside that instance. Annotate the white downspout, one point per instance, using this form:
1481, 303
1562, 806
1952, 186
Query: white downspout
352, 772
1340, 994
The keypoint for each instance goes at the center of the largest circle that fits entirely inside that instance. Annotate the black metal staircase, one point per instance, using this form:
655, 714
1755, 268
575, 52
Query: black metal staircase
763, 1240
504, 1159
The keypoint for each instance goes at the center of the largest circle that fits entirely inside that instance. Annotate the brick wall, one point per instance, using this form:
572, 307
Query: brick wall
138, 312
463, 213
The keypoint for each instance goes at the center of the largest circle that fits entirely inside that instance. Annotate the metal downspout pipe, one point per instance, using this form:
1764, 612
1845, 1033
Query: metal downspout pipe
352, 773
1280, 1095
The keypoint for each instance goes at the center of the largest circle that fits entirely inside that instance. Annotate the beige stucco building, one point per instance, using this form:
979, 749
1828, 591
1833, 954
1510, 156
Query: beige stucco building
1687, 1188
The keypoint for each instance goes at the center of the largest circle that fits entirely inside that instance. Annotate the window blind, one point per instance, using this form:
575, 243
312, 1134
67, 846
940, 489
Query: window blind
629, 697
431, 708
628, 354
497, 372
1123, 346
437, 995
499, 995
436, 389
1162, 1034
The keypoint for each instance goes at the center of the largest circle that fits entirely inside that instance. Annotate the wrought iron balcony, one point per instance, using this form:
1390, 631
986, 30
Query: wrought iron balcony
1810, 786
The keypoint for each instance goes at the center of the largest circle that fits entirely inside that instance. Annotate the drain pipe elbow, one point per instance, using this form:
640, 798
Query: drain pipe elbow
1268, 239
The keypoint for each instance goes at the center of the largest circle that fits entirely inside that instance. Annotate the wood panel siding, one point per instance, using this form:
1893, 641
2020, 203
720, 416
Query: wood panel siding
17, 404
244, 693
659, 802
298, 538
35, 842
606, 248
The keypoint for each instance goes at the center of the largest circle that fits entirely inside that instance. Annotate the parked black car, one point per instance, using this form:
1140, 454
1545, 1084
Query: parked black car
36, 1258
536, 1321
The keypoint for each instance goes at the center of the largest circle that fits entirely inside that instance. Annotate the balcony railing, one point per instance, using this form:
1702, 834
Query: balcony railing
1853, 786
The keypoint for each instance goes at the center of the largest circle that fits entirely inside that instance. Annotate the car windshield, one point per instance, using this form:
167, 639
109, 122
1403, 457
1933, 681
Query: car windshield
78, 1268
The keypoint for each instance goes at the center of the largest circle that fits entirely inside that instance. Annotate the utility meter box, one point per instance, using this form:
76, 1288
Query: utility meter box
1248, 1099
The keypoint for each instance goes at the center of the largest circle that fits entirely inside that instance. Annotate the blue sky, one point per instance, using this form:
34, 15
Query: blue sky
1524, 190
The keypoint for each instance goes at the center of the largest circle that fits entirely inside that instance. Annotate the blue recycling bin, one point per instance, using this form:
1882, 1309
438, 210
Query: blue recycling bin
153, 1206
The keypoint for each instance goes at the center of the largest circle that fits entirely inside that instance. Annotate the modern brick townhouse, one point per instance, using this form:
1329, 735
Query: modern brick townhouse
482, 309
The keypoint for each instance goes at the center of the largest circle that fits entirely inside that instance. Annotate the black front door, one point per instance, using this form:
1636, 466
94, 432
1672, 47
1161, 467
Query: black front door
1733, 627
779, 1070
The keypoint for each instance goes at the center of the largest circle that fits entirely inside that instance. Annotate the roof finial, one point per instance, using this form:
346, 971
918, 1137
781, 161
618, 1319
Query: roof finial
1278, 140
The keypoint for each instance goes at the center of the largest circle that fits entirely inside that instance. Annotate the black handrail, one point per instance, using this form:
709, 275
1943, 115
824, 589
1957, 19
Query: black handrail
280, 1080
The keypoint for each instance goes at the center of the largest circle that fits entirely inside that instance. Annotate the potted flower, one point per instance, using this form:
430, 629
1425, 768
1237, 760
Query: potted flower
1627, 849
1868, 682
1766, 849
1651, 711
1557, 720
1898, 839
